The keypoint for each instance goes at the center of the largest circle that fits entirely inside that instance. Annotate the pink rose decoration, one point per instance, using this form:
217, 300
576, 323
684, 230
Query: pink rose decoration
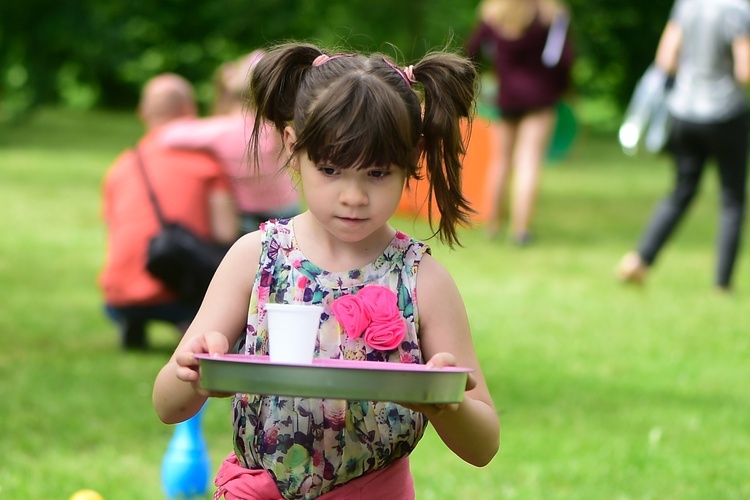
373, 311
381, 302
351, 314
386, 335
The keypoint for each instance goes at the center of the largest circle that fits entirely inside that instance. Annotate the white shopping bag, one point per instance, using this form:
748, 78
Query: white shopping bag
647, 119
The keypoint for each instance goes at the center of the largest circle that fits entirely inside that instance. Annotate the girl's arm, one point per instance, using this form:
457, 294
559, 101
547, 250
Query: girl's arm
221, 320
199, 133
470, 429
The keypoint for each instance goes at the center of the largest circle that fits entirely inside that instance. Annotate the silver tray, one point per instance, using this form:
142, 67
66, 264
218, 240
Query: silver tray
334, 379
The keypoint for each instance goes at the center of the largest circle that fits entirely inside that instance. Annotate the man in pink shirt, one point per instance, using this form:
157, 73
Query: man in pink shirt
191, 188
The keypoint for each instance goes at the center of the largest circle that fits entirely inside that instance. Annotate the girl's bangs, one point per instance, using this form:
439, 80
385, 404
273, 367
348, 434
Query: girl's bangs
369, 129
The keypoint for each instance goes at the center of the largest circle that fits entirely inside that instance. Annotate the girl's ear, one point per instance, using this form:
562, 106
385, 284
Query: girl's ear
290, 138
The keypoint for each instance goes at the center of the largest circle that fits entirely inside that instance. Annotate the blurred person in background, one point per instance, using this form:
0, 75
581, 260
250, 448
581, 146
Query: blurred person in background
262, 194
191, 188
706, 46
531, 55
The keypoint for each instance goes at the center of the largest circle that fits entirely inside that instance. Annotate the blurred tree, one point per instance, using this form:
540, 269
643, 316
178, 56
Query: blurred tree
615, 41
85, 53
33, 44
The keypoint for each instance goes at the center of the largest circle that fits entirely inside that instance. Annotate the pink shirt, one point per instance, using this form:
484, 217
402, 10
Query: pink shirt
226, 138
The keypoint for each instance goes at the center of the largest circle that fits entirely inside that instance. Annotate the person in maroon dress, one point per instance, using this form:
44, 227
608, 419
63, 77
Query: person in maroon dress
531, 54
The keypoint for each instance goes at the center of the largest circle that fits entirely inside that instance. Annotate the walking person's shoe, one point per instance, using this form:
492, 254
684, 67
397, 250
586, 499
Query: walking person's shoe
632, 269
523, 239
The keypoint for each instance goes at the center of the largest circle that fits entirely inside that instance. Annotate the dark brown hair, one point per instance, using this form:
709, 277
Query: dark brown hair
357, 111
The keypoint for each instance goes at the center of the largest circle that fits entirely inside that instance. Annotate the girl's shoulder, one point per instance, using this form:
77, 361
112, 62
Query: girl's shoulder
249, 244
440, 300
242, 259
432, 272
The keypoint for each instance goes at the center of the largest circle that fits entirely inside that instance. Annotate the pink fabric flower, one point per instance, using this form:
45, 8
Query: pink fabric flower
373, 312
386, 335
381, 302
352, 315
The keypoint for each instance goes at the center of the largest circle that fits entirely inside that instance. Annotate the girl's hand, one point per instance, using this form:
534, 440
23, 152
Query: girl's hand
438, 361
188, 368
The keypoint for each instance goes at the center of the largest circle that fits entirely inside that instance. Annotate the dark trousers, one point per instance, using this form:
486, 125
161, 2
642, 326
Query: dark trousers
132, 320
692, 145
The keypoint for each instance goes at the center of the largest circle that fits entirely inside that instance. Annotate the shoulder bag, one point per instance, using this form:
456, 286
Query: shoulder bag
178, 257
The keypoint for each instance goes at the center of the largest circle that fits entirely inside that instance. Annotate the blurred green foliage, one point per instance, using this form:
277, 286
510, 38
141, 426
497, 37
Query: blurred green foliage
88, 53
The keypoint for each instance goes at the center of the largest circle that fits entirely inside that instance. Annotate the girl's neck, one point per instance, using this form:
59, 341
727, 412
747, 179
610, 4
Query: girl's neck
327, 252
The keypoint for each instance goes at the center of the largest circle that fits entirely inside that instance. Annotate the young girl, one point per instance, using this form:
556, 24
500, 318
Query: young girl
354, 128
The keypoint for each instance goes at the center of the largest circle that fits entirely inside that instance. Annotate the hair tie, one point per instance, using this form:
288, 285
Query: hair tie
323, 58
409, 73
408, 77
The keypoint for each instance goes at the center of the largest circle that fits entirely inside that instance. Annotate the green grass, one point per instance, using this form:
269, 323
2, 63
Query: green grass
604, 391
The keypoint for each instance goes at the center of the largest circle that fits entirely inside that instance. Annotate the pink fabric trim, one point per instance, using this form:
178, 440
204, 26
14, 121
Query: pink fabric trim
323, 58
392, 483
235, 482
407, 73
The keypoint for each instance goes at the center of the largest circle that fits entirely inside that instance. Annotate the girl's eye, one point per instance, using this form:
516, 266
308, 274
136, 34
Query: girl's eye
326, 170
379, 174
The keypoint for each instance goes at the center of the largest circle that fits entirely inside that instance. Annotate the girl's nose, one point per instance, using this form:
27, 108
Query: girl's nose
353, 194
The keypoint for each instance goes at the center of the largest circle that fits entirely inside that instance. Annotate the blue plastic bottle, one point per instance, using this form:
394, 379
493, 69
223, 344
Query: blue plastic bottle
186, 466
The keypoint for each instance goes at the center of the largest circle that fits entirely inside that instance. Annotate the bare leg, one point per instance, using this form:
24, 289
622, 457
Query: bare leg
534, 132
503, 139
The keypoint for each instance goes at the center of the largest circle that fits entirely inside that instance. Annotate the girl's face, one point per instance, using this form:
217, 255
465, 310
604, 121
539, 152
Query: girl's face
352, 203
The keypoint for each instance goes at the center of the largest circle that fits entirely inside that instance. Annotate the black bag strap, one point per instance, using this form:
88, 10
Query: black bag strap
151, 193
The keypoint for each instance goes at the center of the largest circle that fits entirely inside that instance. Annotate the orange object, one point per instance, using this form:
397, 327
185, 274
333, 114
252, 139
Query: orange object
475, 164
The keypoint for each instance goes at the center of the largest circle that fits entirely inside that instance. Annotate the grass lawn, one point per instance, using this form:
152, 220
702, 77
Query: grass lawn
604, 391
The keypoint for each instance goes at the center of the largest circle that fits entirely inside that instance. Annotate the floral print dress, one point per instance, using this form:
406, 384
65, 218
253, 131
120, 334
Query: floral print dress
308, 445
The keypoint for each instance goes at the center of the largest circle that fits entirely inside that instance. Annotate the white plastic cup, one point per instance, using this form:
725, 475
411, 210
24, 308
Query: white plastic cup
292, 331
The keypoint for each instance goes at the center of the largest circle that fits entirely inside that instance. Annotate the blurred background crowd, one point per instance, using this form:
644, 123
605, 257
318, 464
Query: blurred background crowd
99, 54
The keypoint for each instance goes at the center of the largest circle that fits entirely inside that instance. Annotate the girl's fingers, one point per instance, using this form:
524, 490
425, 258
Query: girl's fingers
187, 374
185, 359
216, 343
440, 360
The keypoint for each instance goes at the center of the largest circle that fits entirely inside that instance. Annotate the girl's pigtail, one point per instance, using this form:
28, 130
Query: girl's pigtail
449, 83
273, 88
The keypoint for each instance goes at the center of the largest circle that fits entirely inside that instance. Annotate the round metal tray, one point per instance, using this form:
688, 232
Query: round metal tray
334, 379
